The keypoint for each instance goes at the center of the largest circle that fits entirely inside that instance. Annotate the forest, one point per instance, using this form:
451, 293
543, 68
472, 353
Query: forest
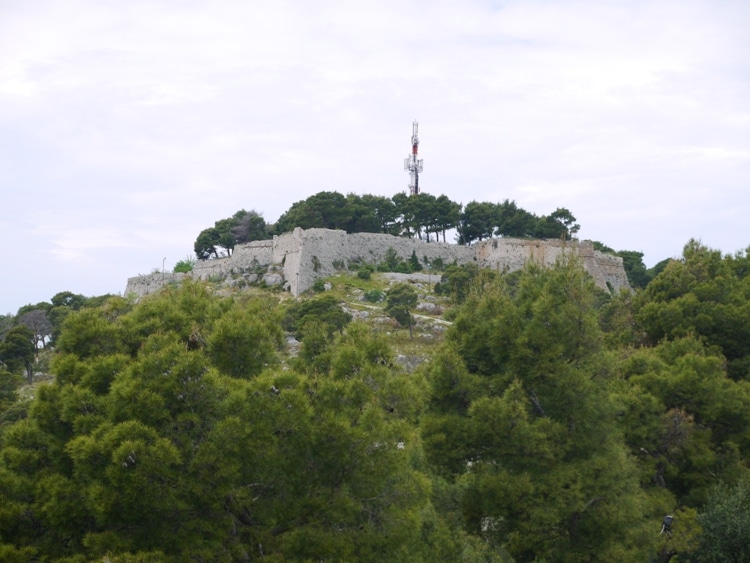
551, 421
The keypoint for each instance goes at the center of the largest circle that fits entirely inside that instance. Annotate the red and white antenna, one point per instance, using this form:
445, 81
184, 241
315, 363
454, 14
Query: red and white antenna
412, 164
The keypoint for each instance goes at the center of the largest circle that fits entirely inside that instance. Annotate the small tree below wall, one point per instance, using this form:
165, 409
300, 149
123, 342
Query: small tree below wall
400, 300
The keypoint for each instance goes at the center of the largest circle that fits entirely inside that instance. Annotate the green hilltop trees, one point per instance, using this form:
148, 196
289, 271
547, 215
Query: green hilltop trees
243, 226
422, 216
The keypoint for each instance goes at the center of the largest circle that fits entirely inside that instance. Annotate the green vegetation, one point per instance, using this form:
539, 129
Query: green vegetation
184, 266
458, 280
423, 216
550, 421
399, 302
364, 273
726, 525
323, 309
243, 226
638, 275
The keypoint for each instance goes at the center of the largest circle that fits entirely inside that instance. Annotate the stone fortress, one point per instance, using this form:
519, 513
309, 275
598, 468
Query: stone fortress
297, 259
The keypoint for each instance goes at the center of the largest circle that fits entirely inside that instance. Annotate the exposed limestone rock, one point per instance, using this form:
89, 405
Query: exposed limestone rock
273, 279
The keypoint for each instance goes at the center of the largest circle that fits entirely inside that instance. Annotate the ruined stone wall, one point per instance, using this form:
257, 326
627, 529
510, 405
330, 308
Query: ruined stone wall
286, 253
244, 258
609, 271
324, 252
509, 254
144, 285
512, 254
299, 258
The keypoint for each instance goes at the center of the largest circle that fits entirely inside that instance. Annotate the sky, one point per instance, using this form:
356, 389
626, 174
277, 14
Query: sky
126, 128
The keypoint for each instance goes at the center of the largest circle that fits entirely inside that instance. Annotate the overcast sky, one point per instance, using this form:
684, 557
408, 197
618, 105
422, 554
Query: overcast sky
128, 127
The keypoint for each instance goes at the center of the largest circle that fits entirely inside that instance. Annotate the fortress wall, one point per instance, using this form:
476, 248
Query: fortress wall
244, 258
612, 271
320, 248
372, 248
143, 285
507, 254
251, 253
303, 256
283, 245
286, 252
204, 269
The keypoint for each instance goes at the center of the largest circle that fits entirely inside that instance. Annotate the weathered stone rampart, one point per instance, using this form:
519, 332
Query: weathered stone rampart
299, 258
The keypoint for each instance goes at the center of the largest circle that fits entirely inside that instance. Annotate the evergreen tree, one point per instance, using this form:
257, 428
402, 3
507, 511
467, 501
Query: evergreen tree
527, 424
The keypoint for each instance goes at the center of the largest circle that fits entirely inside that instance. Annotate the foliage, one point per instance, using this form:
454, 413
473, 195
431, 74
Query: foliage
726, 525
39, 324
323, 309
522, 421
364, 273
374, 295
399, 302
6, 323
17, 351
243, 226
69, 299
392, 262
144, 450
9, 383
555, 422
456, 281
632, 261
245, 339
326, 210
207, 243
184, 266
705, 294
424, 216
483, 220
414, 264
682, 538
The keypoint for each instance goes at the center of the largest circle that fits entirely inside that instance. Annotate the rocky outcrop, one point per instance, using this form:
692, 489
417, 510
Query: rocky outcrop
299, 258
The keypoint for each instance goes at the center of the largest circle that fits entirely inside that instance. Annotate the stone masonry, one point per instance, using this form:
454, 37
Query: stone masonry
299, 258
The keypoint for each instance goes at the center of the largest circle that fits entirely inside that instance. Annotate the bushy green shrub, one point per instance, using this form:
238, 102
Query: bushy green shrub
321, 309
184, 266
364, 274
374, 295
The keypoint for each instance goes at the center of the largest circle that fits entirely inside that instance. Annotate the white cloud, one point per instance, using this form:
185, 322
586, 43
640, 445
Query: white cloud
626, 112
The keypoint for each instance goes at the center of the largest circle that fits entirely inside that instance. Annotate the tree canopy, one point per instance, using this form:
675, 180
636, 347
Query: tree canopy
159, 441
243, 226
421, 216
551, 421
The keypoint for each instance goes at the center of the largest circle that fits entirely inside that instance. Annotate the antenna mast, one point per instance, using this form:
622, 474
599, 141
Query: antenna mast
412, 164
